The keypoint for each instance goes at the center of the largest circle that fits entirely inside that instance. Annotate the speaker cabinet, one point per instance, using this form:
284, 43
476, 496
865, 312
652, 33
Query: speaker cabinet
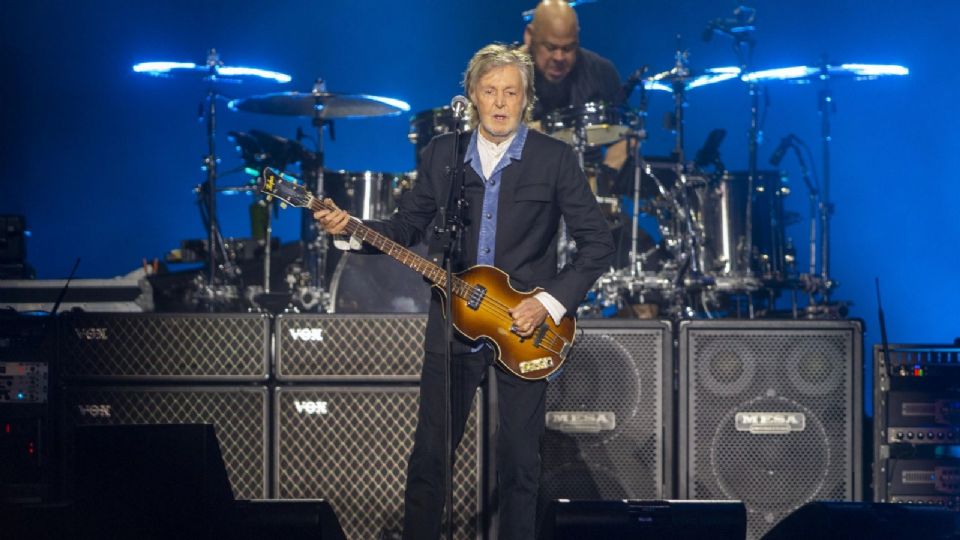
150, 482
331, 348
769, 414
609, 415
649, 520
349, 446
178, 348
238, 415
835, 520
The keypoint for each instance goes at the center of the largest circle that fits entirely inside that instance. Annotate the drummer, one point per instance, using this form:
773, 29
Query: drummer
566, 74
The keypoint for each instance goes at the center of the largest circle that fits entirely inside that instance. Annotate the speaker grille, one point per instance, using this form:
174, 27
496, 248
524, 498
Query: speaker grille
605, 416
770, 415
342, 347
238, 415
182, 347
350, 446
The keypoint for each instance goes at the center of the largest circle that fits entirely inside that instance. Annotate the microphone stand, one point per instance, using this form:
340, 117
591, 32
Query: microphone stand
450, 234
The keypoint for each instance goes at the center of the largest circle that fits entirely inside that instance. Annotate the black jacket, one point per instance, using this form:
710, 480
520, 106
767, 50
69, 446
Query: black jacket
545, 183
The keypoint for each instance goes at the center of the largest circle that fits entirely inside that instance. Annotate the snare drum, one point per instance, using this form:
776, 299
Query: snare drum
366, 194
596, 124
426, 125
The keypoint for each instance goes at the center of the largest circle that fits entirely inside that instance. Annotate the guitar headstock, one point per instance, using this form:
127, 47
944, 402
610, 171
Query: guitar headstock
283, 187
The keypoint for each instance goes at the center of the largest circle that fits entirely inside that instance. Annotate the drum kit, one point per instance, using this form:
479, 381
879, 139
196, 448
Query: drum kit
724, 250
722, 246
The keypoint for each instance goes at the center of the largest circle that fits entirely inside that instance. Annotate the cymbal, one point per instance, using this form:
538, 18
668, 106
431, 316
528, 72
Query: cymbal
320, 105
667, 80
803, 74
212, 71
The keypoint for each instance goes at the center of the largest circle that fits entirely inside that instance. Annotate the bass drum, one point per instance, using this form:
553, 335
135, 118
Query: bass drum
364, 283
426, 125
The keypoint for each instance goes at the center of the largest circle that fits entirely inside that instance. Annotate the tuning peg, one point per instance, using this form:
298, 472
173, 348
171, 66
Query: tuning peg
283, 205
269, 198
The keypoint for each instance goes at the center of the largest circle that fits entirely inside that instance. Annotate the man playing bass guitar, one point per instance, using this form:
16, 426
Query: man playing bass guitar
518, 184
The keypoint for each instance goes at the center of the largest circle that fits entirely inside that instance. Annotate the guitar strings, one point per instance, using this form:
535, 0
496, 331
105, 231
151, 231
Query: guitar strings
551, 338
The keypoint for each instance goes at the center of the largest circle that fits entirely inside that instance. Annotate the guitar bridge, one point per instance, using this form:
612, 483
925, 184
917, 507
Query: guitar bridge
477, 293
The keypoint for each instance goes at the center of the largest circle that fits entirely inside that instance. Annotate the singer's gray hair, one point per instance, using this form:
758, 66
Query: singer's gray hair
494, 56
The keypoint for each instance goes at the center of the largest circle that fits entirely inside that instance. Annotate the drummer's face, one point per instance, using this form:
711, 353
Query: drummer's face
499, 98
554, 51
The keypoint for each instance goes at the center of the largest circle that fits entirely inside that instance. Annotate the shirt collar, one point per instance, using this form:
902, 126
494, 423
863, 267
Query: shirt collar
514, 151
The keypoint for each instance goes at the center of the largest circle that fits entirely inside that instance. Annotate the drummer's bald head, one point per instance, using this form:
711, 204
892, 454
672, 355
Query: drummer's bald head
556, 17
553, 38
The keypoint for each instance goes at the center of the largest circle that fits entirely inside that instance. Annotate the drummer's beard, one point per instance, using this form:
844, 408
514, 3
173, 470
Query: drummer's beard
553, 95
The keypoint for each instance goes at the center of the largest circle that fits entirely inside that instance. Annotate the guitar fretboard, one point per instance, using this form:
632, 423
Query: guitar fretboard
428, 269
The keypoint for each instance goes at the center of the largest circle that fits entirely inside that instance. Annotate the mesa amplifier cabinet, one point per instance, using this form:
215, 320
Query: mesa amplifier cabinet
349, 446
329, 348
164, 347
238, 414
770, 414
916, 400
609, 415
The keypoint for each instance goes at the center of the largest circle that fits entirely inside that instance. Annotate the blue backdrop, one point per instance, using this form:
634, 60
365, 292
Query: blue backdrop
103, 161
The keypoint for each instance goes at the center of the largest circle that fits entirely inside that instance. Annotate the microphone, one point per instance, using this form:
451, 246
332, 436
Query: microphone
630, 85
459, 106
778, 154
739, 27
709, 153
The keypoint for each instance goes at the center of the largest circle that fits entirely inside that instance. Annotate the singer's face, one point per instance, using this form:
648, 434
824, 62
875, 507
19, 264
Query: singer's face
499, 98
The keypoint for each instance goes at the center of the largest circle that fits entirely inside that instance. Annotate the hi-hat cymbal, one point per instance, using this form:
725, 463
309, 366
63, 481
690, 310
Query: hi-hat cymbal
666, 81
802, 74
320, 105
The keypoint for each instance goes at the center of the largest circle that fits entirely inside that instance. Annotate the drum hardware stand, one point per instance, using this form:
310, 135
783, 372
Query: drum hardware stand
211, 292
312, 237
826, 106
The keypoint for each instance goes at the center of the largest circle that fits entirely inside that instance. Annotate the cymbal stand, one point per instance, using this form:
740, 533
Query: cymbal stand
682, 73
636, 137
744, 45
312, 236
208, 193
826, 106
564, 244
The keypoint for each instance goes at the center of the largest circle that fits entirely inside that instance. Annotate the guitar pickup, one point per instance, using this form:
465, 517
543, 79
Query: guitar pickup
477, 293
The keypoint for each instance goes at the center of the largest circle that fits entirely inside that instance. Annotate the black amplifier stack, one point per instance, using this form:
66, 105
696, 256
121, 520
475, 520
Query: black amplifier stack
325, 407
917, 424
27, 419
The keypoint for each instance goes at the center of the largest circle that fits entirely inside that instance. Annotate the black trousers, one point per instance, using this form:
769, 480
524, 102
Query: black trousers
519, 433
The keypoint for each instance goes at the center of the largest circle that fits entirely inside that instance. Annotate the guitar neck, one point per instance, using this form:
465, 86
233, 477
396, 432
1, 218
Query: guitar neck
355, 228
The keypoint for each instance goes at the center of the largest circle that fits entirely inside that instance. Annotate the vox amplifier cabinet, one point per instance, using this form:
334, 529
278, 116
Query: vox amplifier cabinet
237, 413
349, 445
329, 348
175, 348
